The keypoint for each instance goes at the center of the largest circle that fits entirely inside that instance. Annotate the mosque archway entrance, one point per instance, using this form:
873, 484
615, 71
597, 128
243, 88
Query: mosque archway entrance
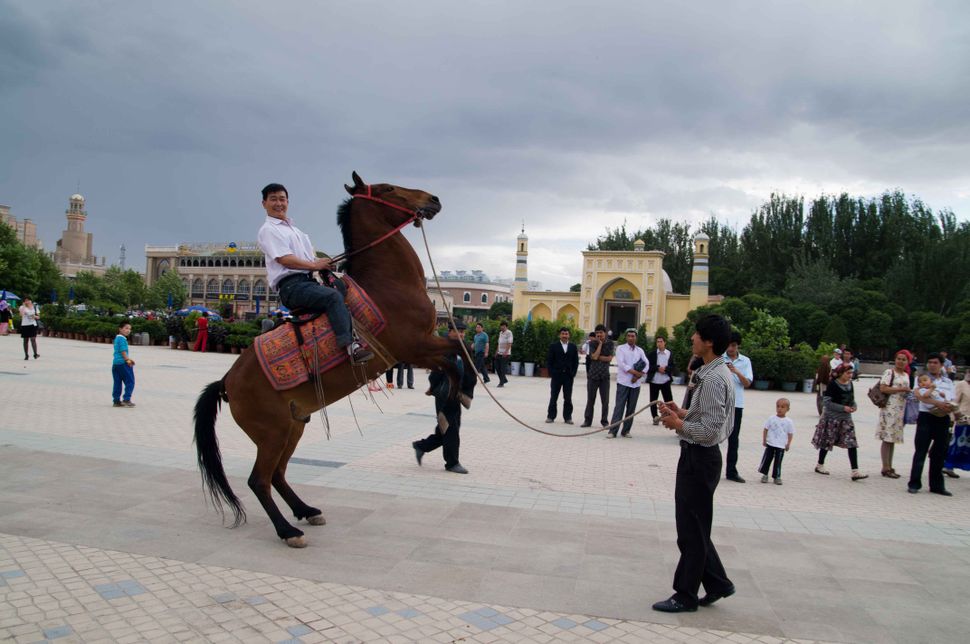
621, 316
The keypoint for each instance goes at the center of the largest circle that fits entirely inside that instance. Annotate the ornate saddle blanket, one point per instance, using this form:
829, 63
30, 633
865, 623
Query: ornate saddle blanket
287, 363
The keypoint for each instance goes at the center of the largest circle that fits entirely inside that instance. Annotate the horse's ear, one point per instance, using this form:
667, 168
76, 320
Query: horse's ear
349, 190
358, 182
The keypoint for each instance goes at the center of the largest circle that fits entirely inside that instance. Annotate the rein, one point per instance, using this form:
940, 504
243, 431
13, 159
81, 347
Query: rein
414, 217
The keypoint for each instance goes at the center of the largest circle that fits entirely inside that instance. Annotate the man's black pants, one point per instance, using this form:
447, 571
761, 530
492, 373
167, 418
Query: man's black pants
449, 442
501, 363
562, 383
480, 365
731, 468
663, 390
933, 436
601, 385
698, 473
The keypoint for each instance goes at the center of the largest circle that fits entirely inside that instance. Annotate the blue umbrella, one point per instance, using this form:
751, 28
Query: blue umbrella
196, 307
7, 295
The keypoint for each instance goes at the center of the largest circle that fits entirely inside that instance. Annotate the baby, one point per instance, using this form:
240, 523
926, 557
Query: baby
926, 387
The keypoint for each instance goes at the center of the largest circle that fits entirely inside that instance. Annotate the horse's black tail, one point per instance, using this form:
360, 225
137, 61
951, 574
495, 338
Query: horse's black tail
210, 460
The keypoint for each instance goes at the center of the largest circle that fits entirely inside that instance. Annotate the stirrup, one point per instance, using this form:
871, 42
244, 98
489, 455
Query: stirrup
360, 355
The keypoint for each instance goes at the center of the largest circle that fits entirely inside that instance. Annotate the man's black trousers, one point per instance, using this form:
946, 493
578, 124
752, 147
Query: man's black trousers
663, 390
564, 383
698, 473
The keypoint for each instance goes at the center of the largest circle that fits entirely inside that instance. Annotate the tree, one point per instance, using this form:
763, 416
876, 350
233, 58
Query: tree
767, 331
500, 311
169, 284
835, 331
575, 288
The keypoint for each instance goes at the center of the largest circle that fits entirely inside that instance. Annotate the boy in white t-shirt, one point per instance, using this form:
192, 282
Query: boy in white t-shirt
778, 433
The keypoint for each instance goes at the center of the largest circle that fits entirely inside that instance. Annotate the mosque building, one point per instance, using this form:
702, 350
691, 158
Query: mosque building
621, 289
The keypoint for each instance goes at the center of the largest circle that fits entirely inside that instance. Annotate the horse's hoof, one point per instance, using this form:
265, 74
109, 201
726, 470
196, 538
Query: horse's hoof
296, 542
316, 519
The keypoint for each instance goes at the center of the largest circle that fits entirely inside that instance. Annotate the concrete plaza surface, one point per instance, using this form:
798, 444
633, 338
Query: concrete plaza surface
105, 534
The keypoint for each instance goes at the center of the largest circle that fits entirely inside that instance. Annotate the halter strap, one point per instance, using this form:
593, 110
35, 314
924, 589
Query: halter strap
370, 197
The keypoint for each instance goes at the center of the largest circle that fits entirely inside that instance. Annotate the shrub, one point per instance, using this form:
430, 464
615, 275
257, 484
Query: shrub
764, 363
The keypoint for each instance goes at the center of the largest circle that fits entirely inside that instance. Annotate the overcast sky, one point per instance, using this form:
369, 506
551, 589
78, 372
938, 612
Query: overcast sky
571, 116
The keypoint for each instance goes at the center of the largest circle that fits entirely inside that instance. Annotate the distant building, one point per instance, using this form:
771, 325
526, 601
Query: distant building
208, 270
26, 229
471, 292
74, 252
621, 289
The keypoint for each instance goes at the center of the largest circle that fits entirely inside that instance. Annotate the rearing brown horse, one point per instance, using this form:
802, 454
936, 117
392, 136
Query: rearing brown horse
393, 277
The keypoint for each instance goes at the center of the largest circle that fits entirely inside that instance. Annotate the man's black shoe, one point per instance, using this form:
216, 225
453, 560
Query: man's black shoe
710, 598
457, 469
912, 490
673, 606
942, 492
951, 474
736, 478
418, 452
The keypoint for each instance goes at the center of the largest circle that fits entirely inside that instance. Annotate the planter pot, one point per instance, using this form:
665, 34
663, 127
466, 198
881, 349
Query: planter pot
789, 386
808, 385
762, 385
529, 369
234, 350
543, 372
182, 345
515, 366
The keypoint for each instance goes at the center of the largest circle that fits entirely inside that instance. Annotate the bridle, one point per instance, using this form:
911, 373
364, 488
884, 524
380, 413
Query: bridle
413, 216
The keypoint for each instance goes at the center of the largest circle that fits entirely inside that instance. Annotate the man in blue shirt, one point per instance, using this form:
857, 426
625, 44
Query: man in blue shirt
481, 350
740, 367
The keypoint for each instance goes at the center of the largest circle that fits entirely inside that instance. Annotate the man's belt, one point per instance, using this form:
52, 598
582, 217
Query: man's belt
295, 277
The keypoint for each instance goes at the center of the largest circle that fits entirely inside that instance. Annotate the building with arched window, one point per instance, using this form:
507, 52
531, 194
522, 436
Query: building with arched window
621, 289
472, 292
237, 271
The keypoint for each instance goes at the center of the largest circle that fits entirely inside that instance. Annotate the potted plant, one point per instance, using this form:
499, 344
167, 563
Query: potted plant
789, 369
764, 363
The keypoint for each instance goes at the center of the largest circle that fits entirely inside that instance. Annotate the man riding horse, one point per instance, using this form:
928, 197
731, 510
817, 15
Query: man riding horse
290, 264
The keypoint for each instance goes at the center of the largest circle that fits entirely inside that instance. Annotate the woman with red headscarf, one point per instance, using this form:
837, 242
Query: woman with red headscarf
895, 384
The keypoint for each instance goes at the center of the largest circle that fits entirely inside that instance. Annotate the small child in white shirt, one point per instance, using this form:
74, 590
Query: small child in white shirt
777, 437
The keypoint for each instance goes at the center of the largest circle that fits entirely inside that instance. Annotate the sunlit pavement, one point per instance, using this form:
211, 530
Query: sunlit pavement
105, 535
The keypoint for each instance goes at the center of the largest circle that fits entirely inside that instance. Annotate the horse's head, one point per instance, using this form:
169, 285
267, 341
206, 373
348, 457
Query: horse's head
417, 202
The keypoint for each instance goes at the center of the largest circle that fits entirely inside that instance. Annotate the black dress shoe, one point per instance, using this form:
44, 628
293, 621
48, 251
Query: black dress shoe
735, 478
457, 469
418, 452
942, 492
950, 473
586, 425
710, 598
673, 606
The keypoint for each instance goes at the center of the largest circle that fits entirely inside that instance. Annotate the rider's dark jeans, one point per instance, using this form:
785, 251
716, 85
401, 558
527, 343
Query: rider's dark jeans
310, 295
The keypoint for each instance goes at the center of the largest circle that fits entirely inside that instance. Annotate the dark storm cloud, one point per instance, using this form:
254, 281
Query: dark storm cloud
570, 115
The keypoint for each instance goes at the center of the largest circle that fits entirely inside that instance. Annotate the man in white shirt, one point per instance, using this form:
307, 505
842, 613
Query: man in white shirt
836, 358
740, 367
631, 366
290, 264
503, 353
660, 375
932, 431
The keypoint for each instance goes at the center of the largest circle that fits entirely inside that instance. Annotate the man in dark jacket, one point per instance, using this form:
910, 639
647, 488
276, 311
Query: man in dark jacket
660, 374
562, 361
448, 408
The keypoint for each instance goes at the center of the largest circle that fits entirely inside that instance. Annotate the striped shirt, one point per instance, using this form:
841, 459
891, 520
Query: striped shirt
710, 417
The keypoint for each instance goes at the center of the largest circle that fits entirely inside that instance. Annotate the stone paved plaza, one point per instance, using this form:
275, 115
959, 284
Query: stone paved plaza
105, 534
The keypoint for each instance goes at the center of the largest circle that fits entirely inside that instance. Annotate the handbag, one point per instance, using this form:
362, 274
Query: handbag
911, 411
878, 398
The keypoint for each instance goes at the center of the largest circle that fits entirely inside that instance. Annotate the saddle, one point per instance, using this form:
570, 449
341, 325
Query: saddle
288, 353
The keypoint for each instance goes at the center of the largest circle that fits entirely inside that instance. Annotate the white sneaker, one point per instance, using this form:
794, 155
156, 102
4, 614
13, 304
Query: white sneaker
764, 479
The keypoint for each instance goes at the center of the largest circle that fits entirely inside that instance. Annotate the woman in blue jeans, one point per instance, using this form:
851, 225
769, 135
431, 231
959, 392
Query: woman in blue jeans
122, 368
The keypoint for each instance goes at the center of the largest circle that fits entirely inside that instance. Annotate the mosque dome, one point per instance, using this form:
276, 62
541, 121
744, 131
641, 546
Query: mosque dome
668, 285
701, 237
77, 197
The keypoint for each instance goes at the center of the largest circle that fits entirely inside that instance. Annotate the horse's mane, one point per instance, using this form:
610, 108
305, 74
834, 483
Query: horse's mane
343, 220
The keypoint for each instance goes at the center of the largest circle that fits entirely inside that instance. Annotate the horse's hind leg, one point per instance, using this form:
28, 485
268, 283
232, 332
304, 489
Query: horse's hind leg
268, 456
300, 509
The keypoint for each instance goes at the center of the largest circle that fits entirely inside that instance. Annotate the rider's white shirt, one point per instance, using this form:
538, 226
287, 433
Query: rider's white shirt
279, 237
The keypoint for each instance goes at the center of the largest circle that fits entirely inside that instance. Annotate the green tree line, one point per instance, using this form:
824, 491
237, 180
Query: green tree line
877, 273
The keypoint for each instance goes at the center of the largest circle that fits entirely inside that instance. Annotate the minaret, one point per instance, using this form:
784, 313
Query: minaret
699, 280
521, 273
75, 244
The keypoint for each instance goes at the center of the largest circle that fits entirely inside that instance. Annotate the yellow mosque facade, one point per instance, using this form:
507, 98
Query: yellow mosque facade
620, 289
